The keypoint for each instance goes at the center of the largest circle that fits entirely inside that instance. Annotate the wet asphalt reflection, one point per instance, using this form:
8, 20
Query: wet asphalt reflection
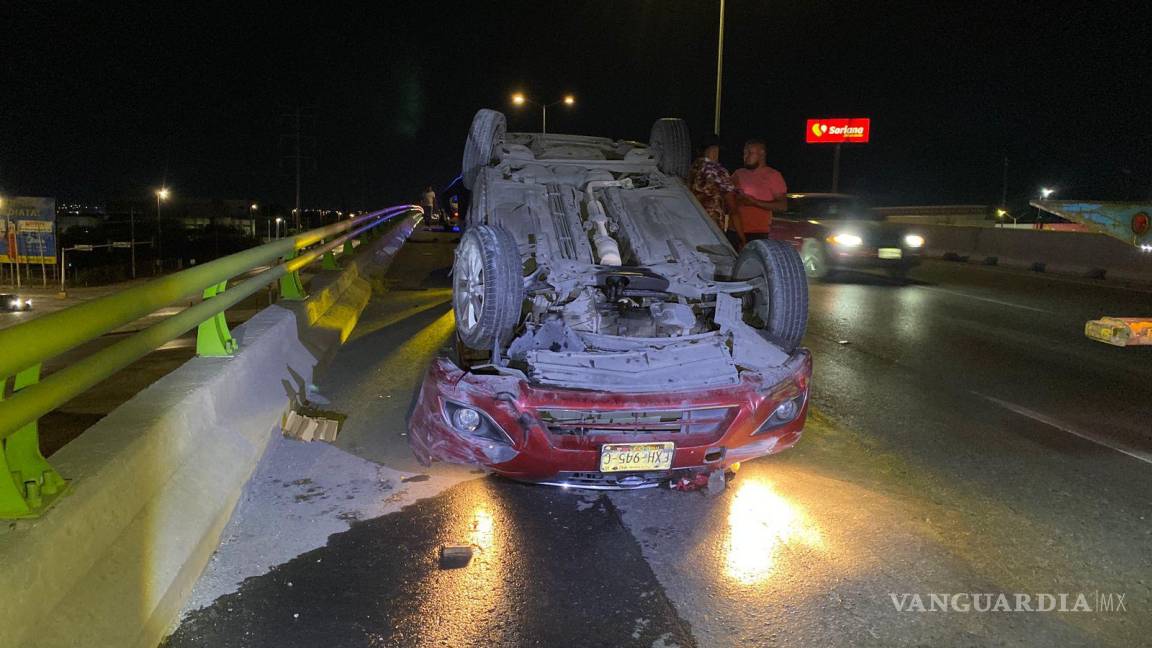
548, 566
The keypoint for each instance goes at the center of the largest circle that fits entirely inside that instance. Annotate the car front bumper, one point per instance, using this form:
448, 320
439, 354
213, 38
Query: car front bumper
869, 257
717, 426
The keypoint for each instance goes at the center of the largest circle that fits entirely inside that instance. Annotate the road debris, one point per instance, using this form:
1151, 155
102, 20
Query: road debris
455, 556
310, 427
690, 483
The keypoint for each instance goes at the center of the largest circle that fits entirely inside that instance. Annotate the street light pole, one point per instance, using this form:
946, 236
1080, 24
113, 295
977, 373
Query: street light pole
132, 236
519, 99
161, 194
719, 72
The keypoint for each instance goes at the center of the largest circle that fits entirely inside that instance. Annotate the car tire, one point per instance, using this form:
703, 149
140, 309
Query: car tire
487, 287
486, 133
815, 259
673, 146
780, 308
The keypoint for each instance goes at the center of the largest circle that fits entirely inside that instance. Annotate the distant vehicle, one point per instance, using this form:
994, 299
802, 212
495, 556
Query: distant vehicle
14, 303
607, 334
835, 232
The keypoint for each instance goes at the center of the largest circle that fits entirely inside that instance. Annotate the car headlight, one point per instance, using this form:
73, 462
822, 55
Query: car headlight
914, 241
785, 412
470, 421
847, 240
15, 303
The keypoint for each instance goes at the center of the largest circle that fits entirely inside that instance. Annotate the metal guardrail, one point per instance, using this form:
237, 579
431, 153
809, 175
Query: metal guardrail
28, 484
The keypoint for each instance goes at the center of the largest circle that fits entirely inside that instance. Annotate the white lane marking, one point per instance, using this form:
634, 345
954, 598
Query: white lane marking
1051, 422
990, 300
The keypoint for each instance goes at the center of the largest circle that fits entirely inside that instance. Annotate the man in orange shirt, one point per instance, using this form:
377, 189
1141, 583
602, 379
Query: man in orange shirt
762, 192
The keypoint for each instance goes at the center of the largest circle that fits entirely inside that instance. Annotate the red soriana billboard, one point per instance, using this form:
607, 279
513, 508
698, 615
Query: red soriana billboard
851, 130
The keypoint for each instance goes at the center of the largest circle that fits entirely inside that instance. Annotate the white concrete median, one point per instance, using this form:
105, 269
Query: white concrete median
155, 481
1070, 253
153, 484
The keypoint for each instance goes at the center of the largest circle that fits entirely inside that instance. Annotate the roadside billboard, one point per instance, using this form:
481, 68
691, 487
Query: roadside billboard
841, 130
29, 224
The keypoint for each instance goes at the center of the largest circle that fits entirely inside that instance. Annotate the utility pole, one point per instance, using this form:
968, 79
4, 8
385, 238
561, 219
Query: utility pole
1004, 186
296, 218
836, 170
719, 72
132, 236
296, 126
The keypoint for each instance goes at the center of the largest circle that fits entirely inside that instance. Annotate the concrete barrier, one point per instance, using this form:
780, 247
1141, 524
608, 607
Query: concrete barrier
155, 481
1081, 254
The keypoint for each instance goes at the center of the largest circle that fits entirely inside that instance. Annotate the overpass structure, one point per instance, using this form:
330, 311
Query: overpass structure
950, 448
147, 490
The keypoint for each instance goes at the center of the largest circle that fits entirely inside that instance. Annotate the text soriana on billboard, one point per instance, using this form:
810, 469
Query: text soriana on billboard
29, 223
852, 130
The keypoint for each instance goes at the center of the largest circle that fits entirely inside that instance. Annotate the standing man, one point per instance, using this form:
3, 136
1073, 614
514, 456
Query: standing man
428, 202
762, 192
713, 187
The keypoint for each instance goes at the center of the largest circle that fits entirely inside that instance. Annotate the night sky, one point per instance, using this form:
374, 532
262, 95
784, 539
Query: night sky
100, 102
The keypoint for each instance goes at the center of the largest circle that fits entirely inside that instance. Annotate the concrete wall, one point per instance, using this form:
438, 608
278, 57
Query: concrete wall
1073, 253
154, 482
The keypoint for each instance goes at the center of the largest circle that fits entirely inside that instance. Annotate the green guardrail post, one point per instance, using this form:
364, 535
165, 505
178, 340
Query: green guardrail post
28, 484
329, 262
212, 336
348, 247
290, 285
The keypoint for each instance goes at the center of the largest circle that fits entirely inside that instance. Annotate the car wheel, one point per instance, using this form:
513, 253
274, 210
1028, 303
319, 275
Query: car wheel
484, 136
487, 287
672, 145
780, 307
815, 259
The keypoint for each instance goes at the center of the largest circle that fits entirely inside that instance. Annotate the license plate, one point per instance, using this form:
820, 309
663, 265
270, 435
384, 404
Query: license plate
891, 253
618, 457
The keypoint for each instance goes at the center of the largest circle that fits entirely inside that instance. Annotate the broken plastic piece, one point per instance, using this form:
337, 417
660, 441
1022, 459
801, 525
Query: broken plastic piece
310, 428
455, 556
1120, 331
692, 483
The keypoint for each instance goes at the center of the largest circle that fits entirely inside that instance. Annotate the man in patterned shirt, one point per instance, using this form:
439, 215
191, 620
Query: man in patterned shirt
713, 187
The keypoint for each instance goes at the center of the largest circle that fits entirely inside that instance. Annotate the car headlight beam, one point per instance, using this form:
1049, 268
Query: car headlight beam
914, 241
847, 239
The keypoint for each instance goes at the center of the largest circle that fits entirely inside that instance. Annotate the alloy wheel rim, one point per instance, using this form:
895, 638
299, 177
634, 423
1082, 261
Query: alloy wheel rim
468, 291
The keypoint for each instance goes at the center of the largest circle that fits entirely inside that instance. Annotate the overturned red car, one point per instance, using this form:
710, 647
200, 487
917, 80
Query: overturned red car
607, 335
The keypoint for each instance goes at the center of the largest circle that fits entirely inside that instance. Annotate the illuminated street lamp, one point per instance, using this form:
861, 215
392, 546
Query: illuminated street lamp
519, 99
253, 212
278, 221
1001, 213
1046, 191
161, 195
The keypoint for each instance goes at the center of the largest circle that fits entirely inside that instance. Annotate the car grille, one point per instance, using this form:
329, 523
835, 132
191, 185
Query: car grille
698, 425
608, 481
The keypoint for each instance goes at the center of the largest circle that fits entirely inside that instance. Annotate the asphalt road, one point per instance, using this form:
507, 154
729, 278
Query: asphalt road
965, 439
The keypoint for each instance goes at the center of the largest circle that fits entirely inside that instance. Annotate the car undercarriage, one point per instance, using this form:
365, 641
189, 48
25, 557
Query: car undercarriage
587, 266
